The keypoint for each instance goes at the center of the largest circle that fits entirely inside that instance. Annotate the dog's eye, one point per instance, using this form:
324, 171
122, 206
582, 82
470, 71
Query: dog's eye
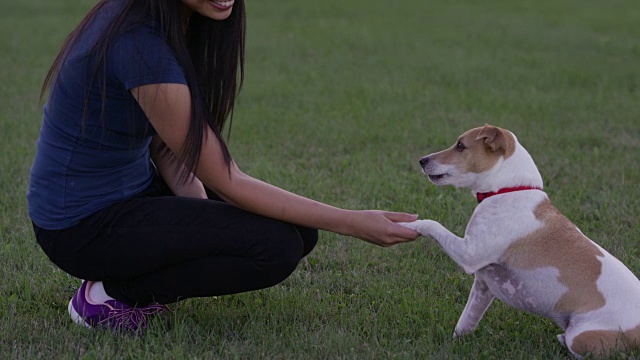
460, 146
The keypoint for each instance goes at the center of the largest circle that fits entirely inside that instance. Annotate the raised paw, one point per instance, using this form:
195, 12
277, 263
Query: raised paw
420, 226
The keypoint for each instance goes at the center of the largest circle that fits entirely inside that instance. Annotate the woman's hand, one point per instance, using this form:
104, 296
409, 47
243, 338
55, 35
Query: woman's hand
380, 228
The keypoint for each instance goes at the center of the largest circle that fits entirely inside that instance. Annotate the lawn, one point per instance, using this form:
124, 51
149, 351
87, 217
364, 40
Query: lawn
340, 101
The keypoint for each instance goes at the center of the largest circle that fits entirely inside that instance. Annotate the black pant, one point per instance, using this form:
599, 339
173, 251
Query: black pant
157, 247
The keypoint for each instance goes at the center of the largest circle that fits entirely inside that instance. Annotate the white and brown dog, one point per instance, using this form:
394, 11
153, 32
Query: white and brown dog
524, 252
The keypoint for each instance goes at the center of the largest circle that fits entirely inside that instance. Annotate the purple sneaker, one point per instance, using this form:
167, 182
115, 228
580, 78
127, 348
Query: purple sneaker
112, 314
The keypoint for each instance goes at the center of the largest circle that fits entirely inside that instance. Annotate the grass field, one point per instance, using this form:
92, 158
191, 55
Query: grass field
341, 99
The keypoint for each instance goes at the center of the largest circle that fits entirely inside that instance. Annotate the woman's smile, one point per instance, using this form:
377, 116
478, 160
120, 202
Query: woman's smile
222, 5
213, 9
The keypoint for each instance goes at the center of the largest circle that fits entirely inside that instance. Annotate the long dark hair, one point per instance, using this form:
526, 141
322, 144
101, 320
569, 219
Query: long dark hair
210, 52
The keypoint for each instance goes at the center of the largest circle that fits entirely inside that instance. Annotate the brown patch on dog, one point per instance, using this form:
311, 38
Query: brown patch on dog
561, 245
483, 147
606, 343
498, 139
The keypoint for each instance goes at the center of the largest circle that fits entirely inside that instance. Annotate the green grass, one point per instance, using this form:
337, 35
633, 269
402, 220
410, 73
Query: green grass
341, 99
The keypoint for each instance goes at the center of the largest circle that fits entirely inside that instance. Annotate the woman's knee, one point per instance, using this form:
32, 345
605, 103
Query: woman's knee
309, 239
281, 248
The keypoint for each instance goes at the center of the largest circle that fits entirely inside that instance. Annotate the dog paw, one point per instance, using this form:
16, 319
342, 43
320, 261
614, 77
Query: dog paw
457, 333
562, 339
420, 226
410, 225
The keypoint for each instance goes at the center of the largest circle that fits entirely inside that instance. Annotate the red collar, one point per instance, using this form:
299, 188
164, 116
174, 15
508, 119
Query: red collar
482, 196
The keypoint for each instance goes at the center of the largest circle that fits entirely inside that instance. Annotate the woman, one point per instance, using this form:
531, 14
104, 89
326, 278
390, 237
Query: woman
132, 187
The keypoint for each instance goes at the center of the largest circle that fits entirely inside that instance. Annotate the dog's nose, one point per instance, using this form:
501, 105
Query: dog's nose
424, 161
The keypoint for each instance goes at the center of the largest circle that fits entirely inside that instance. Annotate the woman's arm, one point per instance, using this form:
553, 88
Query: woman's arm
171, 170
168, 107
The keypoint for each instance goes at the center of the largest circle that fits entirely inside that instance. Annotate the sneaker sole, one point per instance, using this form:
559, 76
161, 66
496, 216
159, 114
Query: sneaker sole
77, 318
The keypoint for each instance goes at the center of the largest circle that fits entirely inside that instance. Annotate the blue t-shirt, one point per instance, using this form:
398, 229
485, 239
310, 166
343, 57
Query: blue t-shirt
81, 168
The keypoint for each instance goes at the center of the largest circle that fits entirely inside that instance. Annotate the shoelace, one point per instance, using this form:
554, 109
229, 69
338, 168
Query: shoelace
131, 319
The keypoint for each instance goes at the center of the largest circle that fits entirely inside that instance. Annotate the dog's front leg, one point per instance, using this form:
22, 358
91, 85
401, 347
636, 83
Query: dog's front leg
479, 300
470, 255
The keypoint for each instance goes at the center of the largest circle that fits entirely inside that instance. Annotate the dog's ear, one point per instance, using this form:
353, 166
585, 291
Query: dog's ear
497, 139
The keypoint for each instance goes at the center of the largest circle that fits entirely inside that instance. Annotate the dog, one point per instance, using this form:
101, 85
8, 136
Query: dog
524, 252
